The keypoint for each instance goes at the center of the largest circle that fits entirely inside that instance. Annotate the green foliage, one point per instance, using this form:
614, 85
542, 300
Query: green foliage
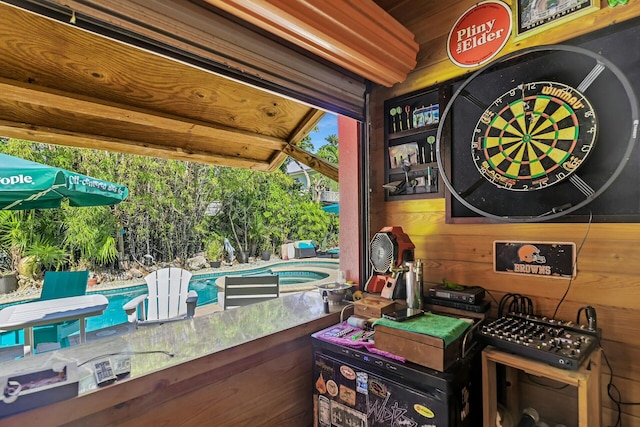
261, 211
329, 153
48, 255
164, 215
89, 234
214, 248
15, 230
106, 252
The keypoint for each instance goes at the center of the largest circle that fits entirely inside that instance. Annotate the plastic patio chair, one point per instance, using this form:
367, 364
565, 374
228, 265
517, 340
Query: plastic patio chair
245, 290
168, 298
60, 284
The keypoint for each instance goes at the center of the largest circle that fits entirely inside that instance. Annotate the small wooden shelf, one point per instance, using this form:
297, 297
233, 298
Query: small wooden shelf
411, 127
412, 132
586, 379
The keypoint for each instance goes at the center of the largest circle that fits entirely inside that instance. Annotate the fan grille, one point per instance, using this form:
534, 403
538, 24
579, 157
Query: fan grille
381, 252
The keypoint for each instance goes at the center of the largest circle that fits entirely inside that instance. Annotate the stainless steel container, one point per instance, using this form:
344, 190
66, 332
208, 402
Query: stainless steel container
414, 286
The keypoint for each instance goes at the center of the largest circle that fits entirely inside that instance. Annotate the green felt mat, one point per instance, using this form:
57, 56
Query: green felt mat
447, 328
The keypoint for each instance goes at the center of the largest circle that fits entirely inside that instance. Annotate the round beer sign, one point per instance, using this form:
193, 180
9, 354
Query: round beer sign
479, 34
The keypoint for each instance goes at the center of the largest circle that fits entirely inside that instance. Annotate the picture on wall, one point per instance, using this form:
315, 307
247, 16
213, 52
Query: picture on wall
532, 15
403, 154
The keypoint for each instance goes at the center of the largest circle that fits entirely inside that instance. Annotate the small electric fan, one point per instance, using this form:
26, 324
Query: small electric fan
388, 250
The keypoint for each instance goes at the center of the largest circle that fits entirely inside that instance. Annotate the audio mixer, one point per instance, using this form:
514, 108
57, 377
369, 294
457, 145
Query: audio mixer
563, 344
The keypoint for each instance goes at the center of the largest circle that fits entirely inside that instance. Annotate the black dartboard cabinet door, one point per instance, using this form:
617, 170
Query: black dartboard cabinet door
546, 133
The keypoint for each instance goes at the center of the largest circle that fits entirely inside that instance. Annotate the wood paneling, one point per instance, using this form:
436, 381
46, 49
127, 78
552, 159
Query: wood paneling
608, 263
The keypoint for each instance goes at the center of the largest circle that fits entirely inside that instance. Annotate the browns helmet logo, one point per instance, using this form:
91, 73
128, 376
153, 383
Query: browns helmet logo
531, 254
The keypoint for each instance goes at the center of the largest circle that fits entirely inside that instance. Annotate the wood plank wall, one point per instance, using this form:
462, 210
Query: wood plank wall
608, 268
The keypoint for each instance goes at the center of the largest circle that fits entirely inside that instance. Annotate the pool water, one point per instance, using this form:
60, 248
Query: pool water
203, 284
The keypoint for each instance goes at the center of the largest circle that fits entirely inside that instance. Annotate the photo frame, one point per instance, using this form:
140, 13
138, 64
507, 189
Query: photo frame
404, 154
529, 20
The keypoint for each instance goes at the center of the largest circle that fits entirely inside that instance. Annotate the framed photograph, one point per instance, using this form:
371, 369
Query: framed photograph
403, 154
533, 16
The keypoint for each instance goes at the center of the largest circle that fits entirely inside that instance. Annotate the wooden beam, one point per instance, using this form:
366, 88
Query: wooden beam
45, 98
293, 150
314, 162
50, 135
308, 123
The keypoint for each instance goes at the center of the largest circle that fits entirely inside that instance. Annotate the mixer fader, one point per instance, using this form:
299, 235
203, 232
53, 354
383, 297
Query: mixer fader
563, 344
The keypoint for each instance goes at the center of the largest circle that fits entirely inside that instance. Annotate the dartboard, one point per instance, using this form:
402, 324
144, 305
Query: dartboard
535, 135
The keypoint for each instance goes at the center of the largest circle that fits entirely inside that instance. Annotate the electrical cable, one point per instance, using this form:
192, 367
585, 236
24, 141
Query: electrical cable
590, 315
492, 297
129, 353
573, 267
515, 303
541, 384
612, 387
617, 400
343, 309
503, 300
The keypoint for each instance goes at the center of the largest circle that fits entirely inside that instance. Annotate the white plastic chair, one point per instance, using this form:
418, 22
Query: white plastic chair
168, 298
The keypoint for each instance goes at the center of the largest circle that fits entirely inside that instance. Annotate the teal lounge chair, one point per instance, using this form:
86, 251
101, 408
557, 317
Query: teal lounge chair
60, 284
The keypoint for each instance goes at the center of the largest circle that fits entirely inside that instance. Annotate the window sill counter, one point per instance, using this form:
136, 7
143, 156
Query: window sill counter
253, 352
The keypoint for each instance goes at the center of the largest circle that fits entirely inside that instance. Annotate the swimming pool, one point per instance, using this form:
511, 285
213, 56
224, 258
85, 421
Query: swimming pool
290, 272
204, 285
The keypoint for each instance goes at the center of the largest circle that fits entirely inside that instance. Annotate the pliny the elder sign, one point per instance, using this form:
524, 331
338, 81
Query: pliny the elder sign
479, 34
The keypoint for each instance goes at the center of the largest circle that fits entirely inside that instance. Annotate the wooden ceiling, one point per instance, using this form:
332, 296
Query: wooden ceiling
62, 84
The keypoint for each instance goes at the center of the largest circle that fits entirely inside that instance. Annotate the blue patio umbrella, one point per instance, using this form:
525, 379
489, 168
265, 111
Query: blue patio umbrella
29, 185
